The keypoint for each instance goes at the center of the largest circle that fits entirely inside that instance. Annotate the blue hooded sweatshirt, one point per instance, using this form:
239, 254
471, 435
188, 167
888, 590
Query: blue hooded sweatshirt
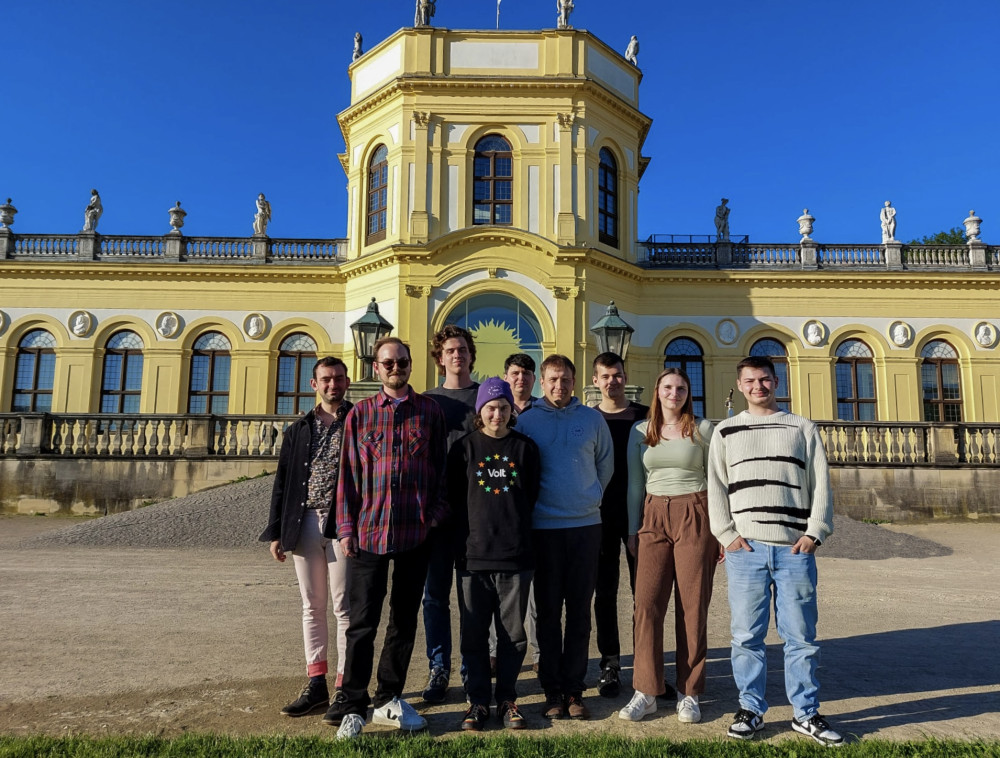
578, 460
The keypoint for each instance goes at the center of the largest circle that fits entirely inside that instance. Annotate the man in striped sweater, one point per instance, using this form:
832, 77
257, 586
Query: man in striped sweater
770, 506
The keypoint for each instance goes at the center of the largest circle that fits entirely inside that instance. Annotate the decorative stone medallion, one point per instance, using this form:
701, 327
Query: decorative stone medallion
727, 331
168, 324
814, 332
900, 333
80, 323
255, 326
985, 334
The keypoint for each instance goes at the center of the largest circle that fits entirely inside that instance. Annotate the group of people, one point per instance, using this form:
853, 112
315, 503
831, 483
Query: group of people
530, 523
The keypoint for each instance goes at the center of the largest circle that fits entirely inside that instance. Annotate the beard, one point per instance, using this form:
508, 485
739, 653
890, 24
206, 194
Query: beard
395, 381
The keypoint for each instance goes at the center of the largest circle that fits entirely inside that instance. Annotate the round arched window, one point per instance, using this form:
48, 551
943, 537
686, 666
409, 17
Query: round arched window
501, 325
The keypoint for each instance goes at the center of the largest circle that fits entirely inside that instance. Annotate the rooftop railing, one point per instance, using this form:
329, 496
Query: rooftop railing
93, 435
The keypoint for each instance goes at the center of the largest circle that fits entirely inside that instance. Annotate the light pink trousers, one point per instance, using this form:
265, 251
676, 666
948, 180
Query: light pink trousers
321, 569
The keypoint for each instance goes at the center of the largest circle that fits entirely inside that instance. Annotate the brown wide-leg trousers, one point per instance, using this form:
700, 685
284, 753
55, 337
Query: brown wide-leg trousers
676, 546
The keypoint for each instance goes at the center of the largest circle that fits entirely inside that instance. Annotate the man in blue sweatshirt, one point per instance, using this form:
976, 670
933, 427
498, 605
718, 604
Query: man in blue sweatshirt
577, 463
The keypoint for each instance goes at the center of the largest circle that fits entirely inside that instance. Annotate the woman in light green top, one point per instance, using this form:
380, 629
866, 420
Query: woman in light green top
669, 531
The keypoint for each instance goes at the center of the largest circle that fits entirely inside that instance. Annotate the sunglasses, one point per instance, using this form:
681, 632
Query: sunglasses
403, 363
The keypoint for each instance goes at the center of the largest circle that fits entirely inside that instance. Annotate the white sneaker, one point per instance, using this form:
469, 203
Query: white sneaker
400, 714
350, 727
638, 707
688, 711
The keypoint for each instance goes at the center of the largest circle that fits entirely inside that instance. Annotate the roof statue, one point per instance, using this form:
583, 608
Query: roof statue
358, 52
262, 217
424, 13
564, 7
632, 51
93, 212
888, 218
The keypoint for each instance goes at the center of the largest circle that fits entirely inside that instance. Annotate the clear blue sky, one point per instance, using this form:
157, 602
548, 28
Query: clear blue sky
777, 105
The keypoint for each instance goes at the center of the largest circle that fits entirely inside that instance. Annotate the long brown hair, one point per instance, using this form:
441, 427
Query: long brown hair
655, 416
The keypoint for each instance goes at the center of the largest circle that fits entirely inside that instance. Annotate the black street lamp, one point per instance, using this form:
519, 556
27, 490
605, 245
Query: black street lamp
368, 330
613, 333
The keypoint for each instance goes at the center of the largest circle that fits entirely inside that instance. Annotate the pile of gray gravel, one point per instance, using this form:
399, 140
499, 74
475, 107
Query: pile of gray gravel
233, 515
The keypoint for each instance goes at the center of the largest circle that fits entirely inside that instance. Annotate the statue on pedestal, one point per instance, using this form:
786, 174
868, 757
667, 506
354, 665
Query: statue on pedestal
722, 220
424, 13
564, 7
632, 51
92, 214
888, 219
971, 227
263, 216
358, 52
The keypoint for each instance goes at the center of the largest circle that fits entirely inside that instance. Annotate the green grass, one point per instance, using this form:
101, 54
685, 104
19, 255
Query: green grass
239, 479
395, 746
875, 521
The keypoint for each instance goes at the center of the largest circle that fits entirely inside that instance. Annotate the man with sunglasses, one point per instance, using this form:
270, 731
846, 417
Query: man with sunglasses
390, 494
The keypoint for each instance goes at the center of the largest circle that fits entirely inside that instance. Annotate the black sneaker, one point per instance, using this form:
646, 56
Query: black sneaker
314, 696
511, 716
337, 710
609, 684
746, 724
817, 727
475, 718
437, 686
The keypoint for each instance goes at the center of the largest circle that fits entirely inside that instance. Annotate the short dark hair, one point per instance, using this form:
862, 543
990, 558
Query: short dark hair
328, 362
608, 360
557, 361
521, 360
390, 341
755, 361
451, 332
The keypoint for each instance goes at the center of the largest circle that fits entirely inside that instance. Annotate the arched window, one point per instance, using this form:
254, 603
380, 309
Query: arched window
122, 382
775, 351
378, 193
210, 363
607, 198
942, 390
493, 181
296, 359
500, 325
34, 372
855, 382
687, 354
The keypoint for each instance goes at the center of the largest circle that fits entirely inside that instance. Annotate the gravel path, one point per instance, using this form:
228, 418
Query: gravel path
233, 515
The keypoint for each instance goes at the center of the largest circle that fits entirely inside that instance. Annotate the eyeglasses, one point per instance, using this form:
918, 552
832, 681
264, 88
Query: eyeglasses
403, 363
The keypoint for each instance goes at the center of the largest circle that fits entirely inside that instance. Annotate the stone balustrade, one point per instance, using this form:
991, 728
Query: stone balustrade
170, 248
847, 443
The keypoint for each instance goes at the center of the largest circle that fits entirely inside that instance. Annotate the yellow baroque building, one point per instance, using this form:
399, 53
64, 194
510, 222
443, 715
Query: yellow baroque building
492, 181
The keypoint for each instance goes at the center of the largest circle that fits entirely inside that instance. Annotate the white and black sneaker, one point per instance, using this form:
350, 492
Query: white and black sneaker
745, 724
350, 727
400, 714
817, 727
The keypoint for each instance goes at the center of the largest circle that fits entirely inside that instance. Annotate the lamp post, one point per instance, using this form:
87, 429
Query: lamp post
368, 330
613, 333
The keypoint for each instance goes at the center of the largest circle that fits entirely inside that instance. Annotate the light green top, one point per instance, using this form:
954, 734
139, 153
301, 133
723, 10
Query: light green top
672, 467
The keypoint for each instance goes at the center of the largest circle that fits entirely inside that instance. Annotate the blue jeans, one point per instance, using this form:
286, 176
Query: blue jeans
754, 577
437, 596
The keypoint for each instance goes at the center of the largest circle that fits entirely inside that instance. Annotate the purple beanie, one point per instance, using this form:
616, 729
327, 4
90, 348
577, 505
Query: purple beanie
493, 388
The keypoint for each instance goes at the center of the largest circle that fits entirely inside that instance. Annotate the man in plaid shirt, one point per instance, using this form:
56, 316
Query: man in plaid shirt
389, 495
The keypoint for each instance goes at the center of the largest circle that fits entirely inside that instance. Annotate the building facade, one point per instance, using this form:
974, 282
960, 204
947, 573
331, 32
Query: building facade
492, 181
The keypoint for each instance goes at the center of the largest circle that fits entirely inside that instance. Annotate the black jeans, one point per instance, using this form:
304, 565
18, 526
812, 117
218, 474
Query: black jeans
369, 583
606, 595
565, 575
483, 596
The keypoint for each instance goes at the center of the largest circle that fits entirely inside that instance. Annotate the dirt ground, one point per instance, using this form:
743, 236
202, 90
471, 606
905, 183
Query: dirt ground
97, 640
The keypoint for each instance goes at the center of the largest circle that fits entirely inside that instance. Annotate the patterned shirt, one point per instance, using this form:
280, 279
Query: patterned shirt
324, 457
392, 483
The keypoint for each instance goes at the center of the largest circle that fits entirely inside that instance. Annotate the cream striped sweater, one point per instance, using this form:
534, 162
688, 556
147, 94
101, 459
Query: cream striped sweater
768, 480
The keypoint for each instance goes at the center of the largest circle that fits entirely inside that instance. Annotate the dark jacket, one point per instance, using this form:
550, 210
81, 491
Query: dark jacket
291, 484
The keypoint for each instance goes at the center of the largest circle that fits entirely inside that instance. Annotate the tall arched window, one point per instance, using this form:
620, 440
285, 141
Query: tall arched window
501, 325
122, 382
855, 382
607, 198
296, 359
378, 194
687, 354
34, 372
939, 377
210, 363
775, 351
493, 181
